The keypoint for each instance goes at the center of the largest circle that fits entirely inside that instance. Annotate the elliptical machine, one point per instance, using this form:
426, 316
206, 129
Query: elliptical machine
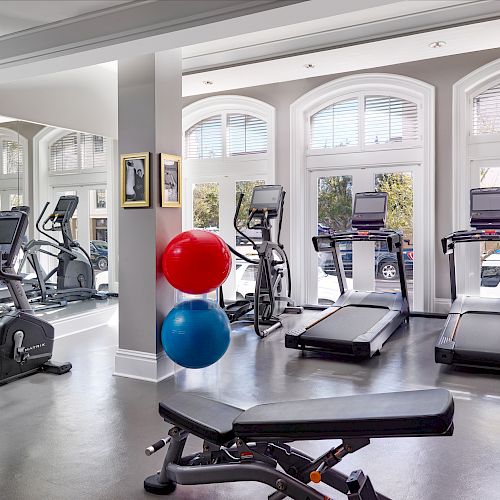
25, 341
273, 285
74, 271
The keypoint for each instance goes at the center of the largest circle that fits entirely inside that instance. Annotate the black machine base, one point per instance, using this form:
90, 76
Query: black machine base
152, 485
56, 368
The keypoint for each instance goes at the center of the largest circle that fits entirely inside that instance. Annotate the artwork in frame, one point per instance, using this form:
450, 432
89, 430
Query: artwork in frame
171, 180
135, 180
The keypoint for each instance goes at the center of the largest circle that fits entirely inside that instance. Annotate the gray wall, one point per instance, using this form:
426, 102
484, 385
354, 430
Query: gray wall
440, 72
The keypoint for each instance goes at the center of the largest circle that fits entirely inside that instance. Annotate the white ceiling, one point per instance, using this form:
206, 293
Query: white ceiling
17, 15
461, 39
349, 22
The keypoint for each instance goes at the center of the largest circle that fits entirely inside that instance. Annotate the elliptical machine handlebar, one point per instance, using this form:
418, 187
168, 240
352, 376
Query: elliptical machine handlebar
42, 229
239, 201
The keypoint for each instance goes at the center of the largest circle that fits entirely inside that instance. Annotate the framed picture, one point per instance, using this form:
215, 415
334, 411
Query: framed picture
135, 180
171, 180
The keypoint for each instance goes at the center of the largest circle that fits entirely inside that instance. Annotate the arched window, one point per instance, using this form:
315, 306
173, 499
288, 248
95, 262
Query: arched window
204, 139
364, 132
228, 149
78, 151
384, 120
244, 134
486, 111
12, 157
13, 154
476, 163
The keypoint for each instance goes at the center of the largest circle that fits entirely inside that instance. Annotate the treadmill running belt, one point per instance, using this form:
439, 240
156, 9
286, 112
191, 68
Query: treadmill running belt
346, 324
478, 332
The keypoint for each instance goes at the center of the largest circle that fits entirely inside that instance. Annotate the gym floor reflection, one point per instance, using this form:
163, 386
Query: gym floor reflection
83, 435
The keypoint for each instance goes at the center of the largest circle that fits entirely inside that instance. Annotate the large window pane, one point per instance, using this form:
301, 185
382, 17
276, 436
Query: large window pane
245, 272
334, 214
490, 250
335, 126
399, 187
206, 206
99, 237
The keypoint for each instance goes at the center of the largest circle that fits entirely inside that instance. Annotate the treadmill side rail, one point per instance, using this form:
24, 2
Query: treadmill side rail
445, 347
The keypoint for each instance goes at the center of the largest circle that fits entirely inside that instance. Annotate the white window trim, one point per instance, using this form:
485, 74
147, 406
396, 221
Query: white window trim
463, 92
300, 111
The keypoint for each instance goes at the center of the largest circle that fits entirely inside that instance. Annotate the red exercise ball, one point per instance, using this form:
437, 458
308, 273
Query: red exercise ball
196, 261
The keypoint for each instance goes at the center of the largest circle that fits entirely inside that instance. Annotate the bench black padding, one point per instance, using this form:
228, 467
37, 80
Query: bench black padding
203, 417
400, 414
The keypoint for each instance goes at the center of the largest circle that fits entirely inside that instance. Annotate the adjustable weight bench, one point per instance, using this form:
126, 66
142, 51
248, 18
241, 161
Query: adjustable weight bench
249, 445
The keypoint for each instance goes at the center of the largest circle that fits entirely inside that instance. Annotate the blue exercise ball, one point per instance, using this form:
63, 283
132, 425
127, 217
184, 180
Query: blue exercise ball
196, 333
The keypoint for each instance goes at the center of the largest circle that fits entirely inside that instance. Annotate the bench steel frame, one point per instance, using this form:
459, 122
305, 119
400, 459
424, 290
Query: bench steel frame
238, 460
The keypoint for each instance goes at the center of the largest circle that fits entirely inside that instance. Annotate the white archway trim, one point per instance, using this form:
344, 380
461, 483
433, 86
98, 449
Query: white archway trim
463, 92
198, 110
378, 83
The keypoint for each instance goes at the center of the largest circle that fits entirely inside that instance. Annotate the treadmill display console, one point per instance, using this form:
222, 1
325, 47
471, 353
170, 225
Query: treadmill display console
370, 210
485, 208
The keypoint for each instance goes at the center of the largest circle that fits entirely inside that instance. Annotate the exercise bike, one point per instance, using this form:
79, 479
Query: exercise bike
25, 341
74, 271
273, 286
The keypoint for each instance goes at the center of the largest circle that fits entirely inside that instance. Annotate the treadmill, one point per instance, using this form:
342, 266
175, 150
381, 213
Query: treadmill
471, 333
360, 322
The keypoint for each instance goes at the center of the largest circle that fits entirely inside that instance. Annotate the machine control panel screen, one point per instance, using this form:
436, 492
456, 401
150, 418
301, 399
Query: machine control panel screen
63, 205
486, 202
266, 197
8, 230
370, 205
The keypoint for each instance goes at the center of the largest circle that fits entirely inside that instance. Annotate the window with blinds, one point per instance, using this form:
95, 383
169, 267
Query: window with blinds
76, 151
204, 139
93, 151
246, 134
12, 158
486, 112
335, 126
390, 120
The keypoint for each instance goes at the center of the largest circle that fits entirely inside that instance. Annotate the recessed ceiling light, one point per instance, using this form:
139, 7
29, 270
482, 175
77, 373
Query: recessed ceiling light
309, 66
207, 82
437, 45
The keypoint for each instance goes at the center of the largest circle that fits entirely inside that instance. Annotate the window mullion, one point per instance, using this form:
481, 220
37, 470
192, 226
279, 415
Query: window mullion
361, 121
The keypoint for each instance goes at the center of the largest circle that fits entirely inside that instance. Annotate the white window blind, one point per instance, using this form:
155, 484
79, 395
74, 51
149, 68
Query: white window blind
78, 151
63, 154
12, 157
390, 119
93, 151
204, 139
486, 112
246, 134
335, 126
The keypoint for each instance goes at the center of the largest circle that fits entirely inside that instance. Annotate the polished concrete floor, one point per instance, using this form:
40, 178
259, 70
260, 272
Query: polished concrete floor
82, 435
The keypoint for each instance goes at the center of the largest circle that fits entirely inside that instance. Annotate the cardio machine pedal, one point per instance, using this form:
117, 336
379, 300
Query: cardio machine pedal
56, 368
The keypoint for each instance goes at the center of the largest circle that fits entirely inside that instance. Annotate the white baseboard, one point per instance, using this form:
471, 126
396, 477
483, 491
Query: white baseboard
143, 365
85, 321
442, 305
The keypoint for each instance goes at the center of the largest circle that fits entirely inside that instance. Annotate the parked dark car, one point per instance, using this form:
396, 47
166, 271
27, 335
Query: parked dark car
386, 266
99, 254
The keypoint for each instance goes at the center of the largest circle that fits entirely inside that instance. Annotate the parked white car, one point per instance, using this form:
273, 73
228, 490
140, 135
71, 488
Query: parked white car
328, 286
490, 276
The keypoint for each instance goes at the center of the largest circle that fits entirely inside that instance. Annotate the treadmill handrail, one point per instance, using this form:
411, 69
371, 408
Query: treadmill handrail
324, 243
468, 236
